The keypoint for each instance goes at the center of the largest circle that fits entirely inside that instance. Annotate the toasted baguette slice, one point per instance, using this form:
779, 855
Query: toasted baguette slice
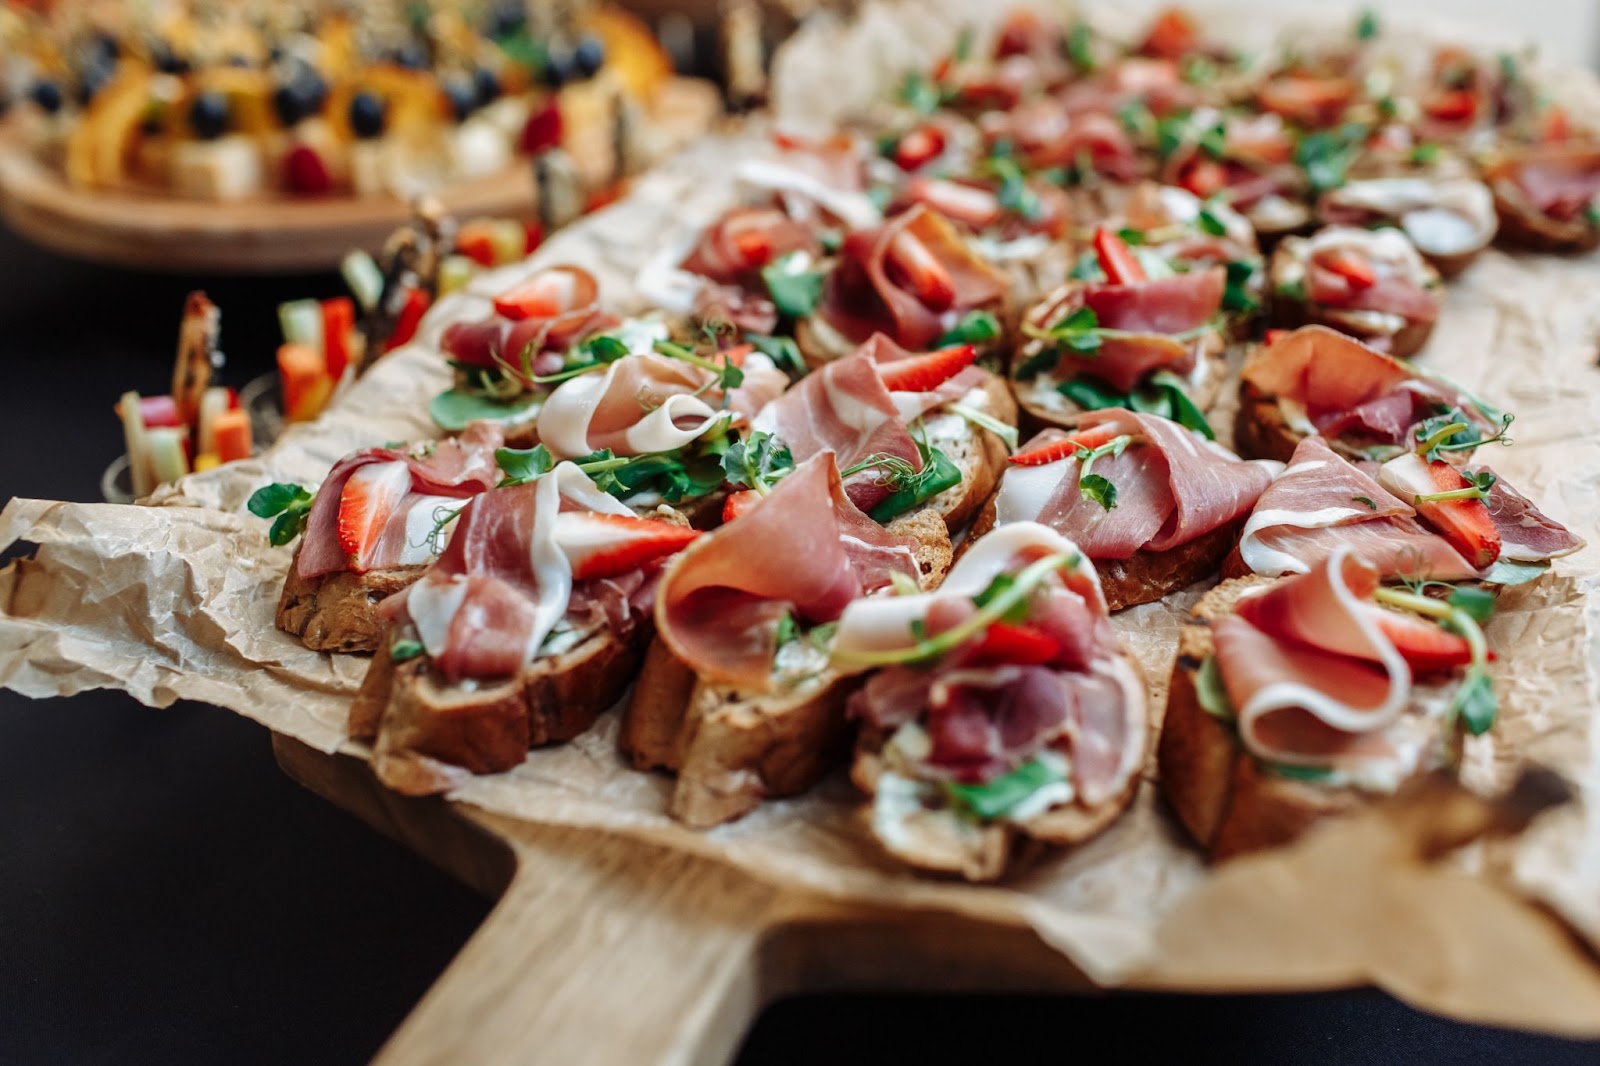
1145, 576
1288, 313
979, 454
821, 344
1042, 405
731, 749
339, 611
1260, 428
429, 735
1227, 799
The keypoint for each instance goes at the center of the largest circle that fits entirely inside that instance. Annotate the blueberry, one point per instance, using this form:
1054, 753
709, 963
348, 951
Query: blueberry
558, 69
485, 85
506, 18
47, 94
91, 79
166, 60
366, 115
589, 56
103, 48
463, 97
288, 103
413, 55
209, 116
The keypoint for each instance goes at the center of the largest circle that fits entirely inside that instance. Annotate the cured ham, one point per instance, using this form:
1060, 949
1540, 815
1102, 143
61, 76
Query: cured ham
734, 248
1172, 486
1374, 279
1346, 388
1153, 311
912, 278
1557, 180
1049, 133
844, 409
448, 470
1441, 216
1323, 504
804, 550
1312, 676
534, 343
986, 709
1526, 535
484, 609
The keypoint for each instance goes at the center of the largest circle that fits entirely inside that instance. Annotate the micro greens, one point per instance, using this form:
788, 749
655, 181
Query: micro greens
795, 291
997, 798
975, 327
1474, 700
1452, 432
728, 375
290, 503
984, 420
783, 352
1478, 485
757, 462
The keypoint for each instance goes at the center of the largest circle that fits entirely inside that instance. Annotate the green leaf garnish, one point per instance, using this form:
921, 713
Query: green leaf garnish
290, 503
1454, 432
1475, 603
920, 93
1300, 773
997, 798
1325, 156
975, 327
1476, 702
911, 486
795, 291
455, 408
757, 462
523, 464
1367, 26
1209, 691
1236, 294
1099, 489
1366, 501
1079, 47
402, 650
1208, 222
783, 352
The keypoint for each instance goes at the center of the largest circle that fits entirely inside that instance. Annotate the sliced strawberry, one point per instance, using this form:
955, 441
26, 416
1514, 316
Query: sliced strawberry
1465, 523
305, 172
1204, 177
978, 208
919, 270
409, 318
1122, 267
919, 147
1068, 446
545, 295
1020, 645
1352, 266
1555, 126
1307, 100
736, 355
754, 247
367, 503
1426, 646
543, 129
532, 236
605, 545
1172, 35
924, 373
1451, 105
739, 503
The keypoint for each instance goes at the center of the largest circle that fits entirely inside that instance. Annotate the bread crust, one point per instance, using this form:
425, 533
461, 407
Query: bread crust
1523, 226
981, 463
1260, 430
731, 750
339, 611
1212, 349
1227, 799
429, 735
1292, 314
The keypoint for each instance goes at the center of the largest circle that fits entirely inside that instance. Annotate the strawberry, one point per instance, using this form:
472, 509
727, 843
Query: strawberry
1019, 644
544, 295
1426, 646
1307, 100
926, 372
1204, 177
978, 208
919, 147
605, 545
920, 271
754, 247
1066, 447
1465, 523
475, 240
1122, 267
305, 173
1555, 126
367, 503
1172, 35
1352, 266
409, 318
532, 236
736, 355
739, 503
1451, 105
543, 129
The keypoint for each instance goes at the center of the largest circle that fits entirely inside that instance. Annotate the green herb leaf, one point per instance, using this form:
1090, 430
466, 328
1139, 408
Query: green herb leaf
1476, 703
782, 351
1079, 47
920, 93
1180, 407
756, 462
1210, 223
997, 798
1367, 26
1099, 489
1506, 572
1476, 603
1293, 290
937, 474
1367, 501
795, 290
975, 327
1236, 294
522, 465
1315, 774
276, 498
455, 408
1325, 156
1210, 692
286, 527
788, 629
402, 650
1425, 154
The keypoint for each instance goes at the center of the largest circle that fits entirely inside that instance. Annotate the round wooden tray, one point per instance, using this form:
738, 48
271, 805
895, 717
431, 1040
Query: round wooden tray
148, 231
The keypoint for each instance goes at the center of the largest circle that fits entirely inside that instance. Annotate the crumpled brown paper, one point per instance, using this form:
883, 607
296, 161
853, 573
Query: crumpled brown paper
176, 600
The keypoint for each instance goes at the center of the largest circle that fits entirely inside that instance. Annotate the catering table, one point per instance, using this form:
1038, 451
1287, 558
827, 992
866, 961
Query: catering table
167, 895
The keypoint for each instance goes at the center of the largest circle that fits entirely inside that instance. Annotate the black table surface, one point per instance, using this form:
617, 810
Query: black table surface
168, 896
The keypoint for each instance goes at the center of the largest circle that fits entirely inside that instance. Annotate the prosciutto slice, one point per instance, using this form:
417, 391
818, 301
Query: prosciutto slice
486, 605
865, 294
1556, 180
1173, 486
1345, 386
734, 248
1312, 678
843, 409
1526, 535
498, 343
639, 404
1152, 310
1050, 132
457, 468
1322, 505
982, 719
804, 549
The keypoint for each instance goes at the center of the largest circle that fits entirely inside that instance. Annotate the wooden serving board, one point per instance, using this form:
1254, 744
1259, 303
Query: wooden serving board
145, 230
606, 950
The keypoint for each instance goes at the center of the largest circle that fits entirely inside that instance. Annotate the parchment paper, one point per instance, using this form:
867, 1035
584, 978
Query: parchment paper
176, 600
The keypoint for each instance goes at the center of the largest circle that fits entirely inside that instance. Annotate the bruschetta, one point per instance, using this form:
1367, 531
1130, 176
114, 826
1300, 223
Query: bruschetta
1372, 284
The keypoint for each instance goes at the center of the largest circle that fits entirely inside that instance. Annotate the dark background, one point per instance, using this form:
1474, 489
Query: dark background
168, 896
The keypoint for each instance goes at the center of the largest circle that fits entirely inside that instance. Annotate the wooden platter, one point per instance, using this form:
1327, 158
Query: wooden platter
148, 231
